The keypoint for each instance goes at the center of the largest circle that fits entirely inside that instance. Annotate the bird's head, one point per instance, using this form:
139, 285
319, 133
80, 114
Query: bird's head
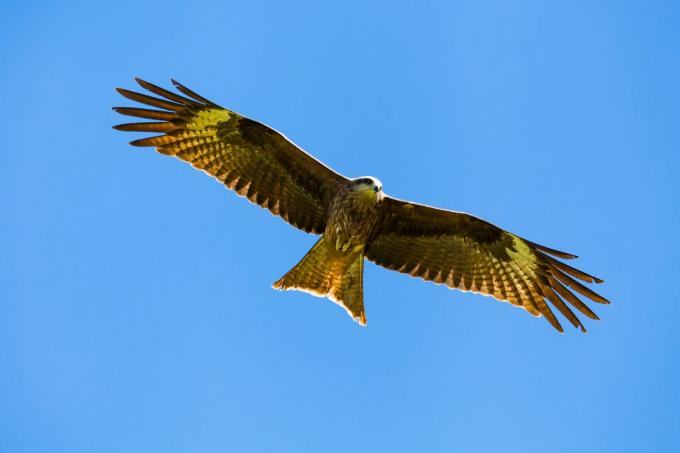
367, 184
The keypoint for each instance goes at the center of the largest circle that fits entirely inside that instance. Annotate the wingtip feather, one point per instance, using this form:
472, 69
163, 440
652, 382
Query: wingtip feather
192, 94
146, 127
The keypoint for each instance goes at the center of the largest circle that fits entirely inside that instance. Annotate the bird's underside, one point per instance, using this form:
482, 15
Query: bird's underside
353, 216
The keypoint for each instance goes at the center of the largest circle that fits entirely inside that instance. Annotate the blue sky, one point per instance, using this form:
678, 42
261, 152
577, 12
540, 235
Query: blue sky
136, 311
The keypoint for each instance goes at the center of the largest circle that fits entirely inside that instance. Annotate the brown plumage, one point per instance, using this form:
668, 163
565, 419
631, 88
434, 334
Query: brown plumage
354, 217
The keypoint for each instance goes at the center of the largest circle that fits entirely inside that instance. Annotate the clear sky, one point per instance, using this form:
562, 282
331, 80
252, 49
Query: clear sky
136, 313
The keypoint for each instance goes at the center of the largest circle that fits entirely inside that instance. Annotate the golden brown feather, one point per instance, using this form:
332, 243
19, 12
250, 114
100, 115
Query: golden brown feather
467, 253
252, 159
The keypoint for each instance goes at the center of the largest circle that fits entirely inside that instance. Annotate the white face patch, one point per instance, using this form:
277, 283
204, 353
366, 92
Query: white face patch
377, 182
361, 185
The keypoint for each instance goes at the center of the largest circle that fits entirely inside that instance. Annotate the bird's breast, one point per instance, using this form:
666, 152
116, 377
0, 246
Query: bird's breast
351, 218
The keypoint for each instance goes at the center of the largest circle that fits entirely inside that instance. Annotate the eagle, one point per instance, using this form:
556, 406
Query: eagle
354, 217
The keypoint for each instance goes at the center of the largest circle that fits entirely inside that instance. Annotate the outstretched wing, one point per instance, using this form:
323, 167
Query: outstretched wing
467, 253
248, 157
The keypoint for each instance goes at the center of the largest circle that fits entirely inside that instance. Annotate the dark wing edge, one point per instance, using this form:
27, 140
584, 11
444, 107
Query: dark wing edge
467, 253
254, 160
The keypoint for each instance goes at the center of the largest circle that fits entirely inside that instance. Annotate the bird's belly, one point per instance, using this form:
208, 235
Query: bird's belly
349, 230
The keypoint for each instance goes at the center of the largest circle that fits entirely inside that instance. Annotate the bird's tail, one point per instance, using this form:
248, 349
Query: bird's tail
324, 272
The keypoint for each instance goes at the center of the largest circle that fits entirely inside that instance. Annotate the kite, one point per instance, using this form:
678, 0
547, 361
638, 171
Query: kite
354, 217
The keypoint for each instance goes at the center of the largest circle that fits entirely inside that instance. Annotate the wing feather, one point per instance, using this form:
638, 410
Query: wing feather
470, 254
146, 127
248, 157
150, 100
146, 113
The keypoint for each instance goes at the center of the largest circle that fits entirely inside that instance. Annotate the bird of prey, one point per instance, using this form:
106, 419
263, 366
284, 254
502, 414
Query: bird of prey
355, 219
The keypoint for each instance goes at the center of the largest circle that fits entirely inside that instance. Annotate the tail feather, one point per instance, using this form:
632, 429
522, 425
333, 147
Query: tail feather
324, 273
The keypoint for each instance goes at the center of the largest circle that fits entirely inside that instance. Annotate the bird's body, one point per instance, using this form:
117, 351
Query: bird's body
355, 219
334, 266
353, 213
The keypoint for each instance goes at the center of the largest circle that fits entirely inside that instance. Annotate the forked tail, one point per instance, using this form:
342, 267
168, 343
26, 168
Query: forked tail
326, 273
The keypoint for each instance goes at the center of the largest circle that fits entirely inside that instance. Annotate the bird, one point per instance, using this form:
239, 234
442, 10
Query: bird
354, 219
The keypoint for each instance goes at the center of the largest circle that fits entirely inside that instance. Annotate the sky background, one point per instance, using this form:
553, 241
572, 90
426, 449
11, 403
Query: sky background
136, 313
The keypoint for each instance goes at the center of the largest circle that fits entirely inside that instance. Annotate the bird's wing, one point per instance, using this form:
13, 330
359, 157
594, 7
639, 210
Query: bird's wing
248, 157
467, 253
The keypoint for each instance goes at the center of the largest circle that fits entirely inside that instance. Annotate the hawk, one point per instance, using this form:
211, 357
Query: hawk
354, 217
